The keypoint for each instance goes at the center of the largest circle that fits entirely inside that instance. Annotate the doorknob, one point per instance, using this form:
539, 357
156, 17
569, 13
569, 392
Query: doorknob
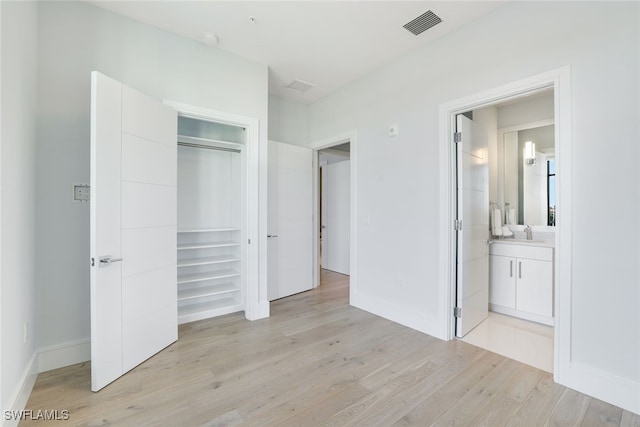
107, 260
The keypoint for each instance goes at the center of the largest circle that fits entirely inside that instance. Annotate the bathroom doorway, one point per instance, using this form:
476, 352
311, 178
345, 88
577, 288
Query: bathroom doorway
556, 82
517, 318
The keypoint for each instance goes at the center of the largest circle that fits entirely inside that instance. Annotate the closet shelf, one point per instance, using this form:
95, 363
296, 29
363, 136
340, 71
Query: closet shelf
203, 245
206, 291
210, 237
212, 275
204, 310
207, 260
207, 230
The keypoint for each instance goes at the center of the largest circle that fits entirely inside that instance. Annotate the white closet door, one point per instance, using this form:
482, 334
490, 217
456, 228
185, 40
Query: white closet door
290, 220
273, 258
133, 228
336, 201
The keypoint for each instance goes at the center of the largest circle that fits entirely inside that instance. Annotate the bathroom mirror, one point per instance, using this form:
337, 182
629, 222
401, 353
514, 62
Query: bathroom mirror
529, 185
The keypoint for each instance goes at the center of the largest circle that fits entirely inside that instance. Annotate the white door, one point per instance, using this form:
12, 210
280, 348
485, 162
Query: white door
472, 290
289, 220
335, 217
133, 228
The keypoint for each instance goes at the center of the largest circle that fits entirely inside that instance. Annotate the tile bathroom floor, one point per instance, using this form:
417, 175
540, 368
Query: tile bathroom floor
521, 340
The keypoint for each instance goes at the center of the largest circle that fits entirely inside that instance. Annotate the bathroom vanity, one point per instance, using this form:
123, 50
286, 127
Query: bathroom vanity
521, 281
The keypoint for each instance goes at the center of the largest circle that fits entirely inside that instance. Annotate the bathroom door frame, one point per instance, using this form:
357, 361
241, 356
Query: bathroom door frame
560, 80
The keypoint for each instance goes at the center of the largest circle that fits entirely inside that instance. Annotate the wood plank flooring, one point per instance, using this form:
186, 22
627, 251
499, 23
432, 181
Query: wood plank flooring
319, 362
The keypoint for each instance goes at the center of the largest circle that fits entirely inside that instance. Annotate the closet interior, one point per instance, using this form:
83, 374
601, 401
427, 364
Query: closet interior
210, 256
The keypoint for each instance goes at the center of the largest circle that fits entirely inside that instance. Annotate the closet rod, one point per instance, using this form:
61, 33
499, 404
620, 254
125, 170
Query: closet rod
208, 147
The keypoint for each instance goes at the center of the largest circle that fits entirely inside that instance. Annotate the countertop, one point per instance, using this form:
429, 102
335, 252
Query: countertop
534, 242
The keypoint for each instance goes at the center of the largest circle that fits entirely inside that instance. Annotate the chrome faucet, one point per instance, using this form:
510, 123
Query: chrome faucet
528, 232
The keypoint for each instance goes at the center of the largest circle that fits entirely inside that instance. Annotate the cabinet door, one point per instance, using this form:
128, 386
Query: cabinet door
502, 279
535, 287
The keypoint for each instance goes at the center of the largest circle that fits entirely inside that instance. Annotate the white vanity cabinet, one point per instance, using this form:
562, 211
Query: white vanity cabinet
502, 281
521, 281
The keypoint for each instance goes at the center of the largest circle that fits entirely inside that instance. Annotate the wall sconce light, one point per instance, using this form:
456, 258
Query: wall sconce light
530, 152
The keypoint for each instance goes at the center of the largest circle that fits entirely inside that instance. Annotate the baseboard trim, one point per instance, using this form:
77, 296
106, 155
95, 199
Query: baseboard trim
603, 385
409, 318
65, 354
259, 311
18, 401
549, 321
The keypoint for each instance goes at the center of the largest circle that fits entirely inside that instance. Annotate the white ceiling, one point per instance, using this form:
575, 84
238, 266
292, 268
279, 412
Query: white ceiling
326, 43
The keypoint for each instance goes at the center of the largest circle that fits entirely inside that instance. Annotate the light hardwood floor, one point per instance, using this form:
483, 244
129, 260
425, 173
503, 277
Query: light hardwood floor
318, 361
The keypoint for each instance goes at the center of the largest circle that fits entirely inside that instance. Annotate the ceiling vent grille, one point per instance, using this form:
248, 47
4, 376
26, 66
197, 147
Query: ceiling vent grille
422, 23
299, 86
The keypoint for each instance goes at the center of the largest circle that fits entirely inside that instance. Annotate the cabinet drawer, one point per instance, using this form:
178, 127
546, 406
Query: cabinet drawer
522, 251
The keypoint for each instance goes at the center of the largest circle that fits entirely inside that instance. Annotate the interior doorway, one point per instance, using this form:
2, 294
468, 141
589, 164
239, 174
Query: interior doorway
334, 168
507, 301
559, 81
334, 186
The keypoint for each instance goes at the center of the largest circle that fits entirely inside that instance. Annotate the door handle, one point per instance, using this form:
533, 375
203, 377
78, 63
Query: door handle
520, 270
271, 236
511, 268
107, 260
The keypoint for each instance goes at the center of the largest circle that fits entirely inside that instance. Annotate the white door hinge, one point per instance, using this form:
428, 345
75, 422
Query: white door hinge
457, 224
457, 137
457, 312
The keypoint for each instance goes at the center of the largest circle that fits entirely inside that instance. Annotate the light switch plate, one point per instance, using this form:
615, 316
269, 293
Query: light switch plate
81, 193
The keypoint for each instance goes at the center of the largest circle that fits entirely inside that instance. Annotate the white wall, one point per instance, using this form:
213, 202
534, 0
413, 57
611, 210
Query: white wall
543, 137
288, 121
2, 402
74, 39
329, 155
17, 201
398, 179
527, 110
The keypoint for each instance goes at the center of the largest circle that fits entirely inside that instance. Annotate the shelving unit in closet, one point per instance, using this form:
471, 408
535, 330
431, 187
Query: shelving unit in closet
210, 257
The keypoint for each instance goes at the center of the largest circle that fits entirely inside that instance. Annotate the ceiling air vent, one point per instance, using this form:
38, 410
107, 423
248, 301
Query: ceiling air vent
422, 23
299, 86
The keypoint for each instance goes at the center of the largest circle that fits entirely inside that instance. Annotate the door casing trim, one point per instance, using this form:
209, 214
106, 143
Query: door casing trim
352, 138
